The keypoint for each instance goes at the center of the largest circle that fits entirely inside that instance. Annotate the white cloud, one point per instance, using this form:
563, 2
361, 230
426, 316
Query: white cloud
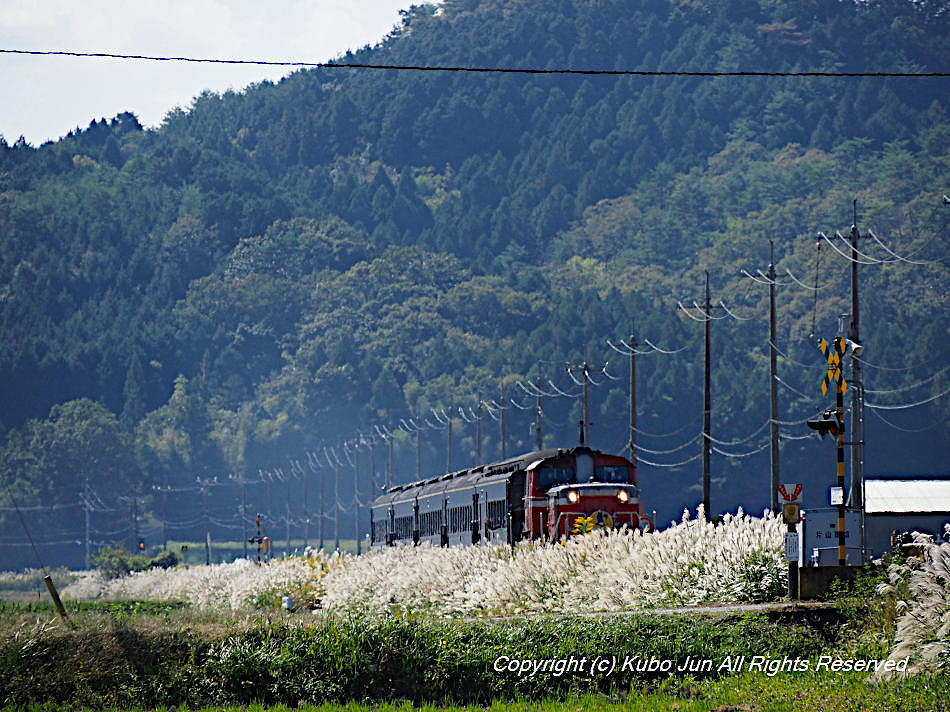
43, 98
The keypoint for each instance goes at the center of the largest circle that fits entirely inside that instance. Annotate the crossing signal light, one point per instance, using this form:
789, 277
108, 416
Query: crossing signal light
141, 544
827, 422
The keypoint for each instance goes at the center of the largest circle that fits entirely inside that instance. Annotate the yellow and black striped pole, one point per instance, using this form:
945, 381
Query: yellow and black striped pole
839, 411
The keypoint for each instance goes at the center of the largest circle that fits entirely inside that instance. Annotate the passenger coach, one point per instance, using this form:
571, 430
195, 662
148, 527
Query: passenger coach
536, 495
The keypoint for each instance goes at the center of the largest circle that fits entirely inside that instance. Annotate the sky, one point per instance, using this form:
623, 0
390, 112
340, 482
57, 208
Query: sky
43, 98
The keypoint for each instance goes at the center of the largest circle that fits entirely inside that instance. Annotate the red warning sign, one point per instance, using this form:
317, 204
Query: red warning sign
791, 492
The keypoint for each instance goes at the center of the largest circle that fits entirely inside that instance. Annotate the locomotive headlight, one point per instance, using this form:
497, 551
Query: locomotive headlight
573, 496
622, 496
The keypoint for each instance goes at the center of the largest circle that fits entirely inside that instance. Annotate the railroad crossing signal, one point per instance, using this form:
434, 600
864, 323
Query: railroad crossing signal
827, 422
833, 355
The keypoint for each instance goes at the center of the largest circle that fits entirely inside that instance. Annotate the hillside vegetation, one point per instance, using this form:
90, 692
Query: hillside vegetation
274, 271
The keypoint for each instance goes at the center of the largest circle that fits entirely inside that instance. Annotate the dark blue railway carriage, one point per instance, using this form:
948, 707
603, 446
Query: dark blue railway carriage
536, 495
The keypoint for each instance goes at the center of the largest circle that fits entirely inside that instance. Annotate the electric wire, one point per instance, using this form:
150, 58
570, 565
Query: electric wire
895, 426
817, 287
695, 457
663, 351
743, 440
740, 455
903, 368
905, 406
734, 316
911, 386
786, 357
756, 279
671, 450
480, 70
664, 435
783, 437
845, 255
793, 390
686, 312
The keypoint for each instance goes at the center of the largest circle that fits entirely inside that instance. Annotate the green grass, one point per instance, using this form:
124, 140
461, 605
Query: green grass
150, 655
160, 654
747, 693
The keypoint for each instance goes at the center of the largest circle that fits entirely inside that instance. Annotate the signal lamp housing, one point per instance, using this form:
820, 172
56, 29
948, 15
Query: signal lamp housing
827, 422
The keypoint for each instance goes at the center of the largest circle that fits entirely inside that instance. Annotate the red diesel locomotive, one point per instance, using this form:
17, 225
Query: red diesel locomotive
539, 495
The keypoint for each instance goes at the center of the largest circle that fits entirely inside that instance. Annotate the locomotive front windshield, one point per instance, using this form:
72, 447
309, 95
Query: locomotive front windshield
612, 473
550, 476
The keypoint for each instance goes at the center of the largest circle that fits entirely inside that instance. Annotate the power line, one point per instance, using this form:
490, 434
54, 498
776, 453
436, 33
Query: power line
477, 70
905, 406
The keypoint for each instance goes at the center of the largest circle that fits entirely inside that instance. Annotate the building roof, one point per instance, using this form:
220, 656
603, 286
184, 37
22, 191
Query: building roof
904, 496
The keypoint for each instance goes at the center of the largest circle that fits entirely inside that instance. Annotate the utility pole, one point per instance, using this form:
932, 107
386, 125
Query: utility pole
539, 421
306, 508
289, 477
478, 433
204, 483
322, 497
389, 463
165, 490
856, 495
356, 495
134, 516
244, 511
504, 431
85, 507
418, 451
707, 406
372, 467
448, 445
584, 368
336, 503
773, 384
706, 310
633, 394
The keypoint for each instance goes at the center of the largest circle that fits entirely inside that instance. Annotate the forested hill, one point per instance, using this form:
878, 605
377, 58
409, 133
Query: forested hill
350, 250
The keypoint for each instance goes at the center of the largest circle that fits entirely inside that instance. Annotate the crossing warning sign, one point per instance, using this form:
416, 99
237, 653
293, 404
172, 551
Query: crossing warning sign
791, 492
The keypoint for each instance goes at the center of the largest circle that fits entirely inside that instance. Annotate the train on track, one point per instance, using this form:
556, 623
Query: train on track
545, 494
